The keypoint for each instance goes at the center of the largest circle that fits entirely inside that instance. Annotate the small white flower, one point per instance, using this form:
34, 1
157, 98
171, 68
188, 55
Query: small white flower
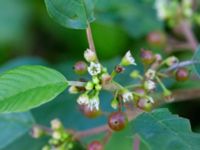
127, 96
90, 55
94, 69
128, 59
149, 85
94, 103
83, 99
150, 74
56, 124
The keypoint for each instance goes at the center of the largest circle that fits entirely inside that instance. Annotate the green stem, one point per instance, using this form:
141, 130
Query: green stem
76, 83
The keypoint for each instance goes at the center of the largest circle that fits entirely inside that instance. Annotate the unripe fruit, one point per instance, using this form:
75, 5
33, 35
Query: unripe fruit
80, 67
140, 91
144, 104
88, 112
117, 121
147, 57
95, 145
182, 74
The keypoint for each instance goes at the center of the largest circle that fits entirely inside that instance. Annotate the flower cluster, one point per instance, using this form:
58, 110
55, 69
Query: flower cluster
141, 95
60, 139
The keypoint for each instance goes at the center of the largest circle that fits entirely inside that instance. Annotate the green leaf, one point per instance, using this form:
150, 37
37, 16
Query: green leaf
71, 13
196, 58
14, 16
137, 17
14, 126
27, 87
160, 130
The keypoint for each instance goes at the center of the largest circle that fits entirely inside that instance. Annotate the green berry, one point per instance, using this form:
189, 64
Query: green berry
89, 86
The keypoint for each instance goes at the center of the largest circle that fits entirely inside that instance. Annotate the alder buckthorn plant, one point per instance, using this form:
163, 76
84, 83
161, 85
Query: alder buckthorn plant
118, 104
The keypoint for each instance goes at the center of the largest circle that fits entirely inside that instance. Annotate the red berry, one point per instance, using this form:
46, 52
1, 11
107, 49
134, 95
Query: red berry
156, 38
88, 112
95, 145
182, 74
117, 121
147, 56
80, 67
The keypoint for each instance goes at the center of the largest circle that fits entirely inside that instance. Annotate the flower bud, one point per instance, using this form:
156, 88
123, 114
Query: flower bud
171, 61
98, 87
128, 59
36, 132
90, 55
89, 86
168, 95
56, 135
95, 80
73, 90
135, 74
80, 67
114, 104
56, 124
105, 78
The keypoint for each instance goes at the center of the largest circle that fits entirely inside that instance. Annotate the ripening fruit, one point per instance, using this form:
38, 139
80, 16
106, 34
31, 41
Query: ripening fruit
80, 67
95, 145
117, 121
144, 104
182, 74
139, 90
156, 38
147, 57
89, 113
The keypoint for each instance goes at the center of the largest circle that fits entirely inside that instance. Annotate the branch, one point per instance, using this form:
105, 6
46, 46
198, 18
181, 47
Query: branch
93, 131
189, 35
181, 64
136, 143
90, 38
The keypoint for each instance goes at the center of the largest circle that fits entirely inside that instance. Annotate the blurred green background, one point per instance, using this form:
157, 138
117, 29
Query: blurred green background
29, 36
